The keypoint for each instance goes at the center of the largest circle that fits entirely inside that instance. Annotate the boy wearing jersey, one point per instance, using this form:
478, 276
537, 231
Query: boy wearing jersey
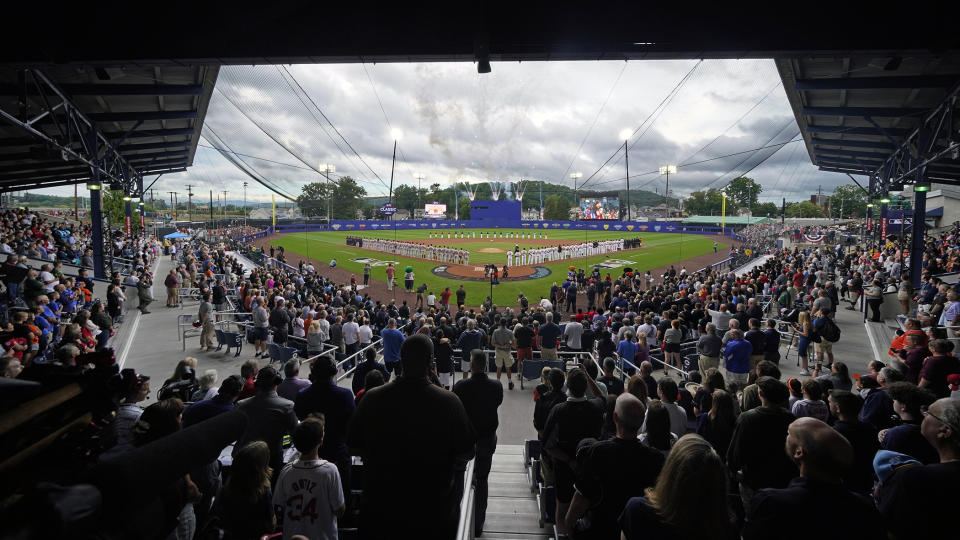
308, 497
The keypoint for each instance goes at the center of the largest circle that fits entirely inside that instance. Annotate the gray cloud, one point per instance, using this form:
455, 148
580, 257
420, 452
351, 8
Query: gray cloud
524, 120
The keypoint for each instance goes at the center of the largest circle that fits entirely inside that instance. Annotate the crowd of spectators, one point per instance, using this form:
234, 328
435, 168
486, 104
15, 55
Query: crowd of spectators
720, 446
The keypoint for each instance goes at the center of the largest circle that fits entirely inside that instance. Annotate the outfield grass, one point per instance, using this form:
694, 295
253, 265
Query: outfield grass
659, 249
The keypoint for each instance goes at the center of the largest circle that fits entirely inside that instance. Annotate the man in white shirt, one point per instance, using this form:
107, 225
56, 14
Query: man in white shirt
572, 332
431, 299
667, 392
351, 335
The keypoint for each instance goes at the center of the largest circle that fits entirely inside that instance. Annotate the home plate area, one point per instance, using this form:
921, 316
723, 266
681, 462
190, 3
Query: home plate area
476, 273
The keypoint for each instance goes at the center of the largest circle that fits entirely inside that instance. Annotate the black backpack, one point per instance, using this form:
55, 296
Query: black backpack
829, 330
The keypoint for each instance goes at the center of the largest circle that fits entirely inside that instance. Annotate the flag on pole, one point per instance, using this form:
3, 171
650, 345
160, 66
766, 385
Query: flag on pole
273, 204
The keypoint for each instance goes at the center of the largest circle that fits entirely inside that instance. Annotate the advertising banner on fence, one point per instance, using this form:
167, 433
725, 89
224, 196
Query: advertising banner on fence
626, 228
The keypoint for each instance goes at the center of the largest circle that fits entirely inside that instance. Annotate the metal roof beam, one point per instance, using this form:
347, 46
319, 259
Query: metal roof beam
866, 83
149, 146
843, 130
842, 170
851, 143
116, 90
150, 133
863, 112
140, 116
64, 180
851, 153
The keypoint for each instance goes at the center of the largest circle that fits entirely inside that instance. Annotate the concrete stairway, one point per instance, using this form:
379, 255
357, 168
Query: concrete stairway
511, 507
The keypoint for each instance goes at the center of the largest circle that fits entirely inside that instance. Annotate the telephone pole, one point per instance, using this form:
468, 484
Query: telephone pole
244, 204
173, 205
189, 202
223, 209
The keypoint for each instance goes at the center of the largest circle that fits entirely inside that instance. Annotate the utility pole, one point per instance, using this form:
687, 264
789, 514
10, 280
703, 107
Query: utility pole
189, 203
173, 206
419, 178
626, 163
211, 205
223, 208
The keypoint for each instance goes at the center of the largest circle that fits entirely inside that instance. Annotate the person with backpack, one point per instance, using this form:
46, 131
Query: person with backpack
829, 333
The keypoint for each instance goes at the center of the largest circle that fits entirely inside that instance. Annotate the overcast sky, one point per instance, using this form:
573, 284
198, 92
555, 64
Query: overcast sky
531, 120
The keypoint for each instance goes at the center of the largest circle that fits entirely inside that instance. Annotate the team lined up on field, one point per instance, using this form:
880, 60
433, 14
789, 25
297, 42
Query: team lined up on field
417, 251
521, 257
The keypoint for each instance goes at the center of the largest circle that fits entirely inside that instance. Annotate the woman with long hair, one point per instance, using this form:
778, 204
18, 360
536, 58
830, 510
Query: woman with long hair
245, 506
657, 433
716, 425
689, 500
804, 330
839, 376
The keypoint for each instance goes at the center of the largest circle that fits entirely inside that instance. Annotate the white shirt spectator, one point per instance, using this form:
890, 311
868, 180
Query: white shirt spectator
309, 513
365, 334
351, 333
48, 281
572, 331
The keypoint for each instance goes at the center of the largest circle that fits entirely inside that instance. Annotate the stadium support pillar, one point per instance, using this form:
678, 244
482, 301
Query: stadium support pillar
919, 229
128, 218
96, 227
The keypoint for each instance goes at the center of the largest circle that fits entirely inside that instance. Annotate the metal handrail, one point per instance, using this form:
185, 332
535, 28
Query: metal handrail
467, 504
341, 363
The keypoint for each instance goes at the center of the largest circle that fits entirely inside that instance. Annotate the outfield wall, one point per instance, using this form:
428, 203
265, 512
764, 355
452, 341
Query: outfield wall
626, 227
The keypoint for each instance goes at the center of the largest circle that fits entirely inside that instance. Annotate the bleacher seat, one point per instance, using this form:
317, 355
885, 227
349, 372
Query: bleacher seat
547, 504
219, 335
231, 340
279, 353
531, 451
691, 362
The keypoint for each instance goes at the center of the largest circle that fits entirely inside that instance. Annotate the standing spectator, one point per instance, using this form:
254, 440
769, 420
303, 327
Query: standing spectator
921, 501
547, 339
392, 343
717, 424
570, 422
366, 274
908, 400
821, 455
337, 406
613, 383
936, 368
812, 404
503, 341
260, 328
602, 489
672, 337
369, 364
525, 336
874, 296
470, 339
845, 406
756, 448
481, 398
223, 401
410, 489
573, 331
219, 295
736, 354
689, 499
144, 294
310, 512
135, 389
667, 391
877, 405
461, 296
292, 383
269, 416
771, 351
351, 335
805, 336
245, 504
279, 323
708, 347
627, 350
205, 316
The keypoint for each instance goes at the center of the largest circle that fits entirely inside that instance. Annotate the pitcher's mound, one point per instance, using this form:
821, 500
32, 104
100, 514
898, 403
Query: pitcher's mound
491, 250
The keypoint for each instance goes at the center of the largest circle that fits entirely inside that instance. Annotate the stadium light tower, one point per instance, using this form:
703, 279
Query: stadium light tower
625, 135
419, 177
667, 170
575, 177
396, 134
325, 169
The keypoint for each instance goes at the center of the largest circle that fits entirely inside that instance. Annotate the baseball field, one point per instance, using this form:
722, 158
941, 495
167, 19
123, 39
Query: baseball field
659, 250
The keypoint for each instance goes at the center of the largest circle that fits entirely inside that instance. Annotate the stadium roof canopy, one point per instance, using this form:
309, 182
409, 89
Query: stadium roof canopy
143, 80
883, 117
731, 220
57, 121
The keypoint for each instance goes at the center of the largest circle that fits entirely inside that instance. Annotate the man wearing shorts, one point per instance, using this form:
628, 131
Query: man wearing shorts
503, 342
